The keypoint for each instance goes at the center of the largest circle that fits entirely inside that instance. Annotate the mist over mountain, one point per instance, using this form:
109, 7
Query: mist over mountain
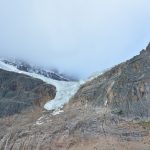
77, 37
48, 72
74, 75
110, 110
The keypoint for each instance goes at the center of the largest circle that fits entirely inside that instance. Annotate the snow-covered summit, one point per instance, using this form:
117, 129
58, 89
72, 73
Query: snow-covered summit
65, 89
49, 73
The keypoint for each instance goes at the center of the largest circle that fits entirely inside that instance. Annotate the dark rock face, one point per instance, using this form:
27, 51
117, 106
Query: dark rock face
19, 92
125, 89
148, 48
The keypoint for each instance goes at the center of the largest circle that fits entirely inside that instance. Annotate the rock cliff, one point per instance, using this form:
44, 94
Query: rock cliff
19, 92
125, 88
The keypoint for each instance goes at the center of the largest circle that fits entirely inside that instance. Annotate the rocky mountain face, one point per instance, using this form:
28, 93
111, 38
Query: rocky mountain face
49, 73
110, 112
125, 89
19, 92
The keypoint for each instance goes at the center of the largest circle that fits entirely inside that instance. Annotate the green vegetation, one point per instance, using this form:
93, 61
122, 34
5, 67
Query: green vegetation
144, 124
117, 112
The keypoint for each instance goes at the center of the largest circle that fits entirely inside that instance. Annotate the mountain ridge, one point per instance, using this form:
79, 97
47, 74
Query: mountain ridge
127, 83
25, 66
109, 111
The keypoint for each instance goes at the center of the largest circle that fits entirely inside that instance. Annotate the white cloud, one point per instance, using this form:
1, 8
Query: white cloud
77, 36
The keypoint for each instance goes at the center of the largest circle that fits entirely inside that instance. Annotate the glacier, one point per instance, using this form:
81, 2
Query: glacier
64, 89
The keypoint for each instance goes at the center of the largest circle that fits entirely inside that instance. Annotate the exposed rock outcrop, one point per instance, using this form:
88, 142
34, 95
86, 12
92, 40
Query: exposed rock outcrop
125, 89
93, 118
19, 92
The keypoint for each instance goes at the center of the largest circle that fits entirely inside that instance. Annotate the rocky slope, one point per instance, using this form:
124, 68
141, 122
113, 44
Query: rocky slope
19, 92
74, 129
107, 113
125, 89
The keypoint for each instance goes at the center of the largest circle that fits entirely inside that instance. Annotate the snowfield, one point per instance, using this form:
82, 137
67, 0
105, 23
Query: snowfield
65, 90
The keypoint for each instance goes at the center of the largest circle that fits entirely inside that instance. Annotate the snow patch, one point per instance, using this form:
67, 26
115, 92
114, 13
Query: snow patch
39, 121
96, 74
57, 112
105, 103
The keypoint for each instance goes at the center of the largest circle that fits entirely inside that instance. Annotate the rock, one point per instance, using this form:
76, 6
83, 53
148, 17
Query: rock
125, 88
94, 118
148, 48
19, 92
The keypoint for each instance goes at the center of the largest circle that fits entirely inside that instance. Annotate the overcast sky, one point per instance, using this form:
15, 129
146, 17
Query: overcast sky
76, 36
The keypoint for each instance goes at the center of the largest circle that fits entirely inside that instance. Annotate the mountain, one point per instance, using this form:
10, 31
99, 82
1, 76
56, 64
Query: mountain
50, 73
124, 89
109, 111
19, 92
63, 89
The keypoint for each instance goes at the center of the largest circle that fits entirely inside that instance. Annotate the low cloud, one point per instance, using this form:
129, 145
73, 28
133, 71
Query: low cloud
78, 37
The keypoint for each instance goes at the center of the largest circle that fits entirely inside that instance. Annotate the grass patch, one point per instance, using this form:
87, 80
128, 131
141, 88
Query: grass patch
117, 112
144, 124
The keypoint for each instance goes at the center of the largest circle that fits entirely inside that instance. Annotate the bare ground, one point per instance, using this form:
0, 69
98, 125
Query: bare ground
74, 129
